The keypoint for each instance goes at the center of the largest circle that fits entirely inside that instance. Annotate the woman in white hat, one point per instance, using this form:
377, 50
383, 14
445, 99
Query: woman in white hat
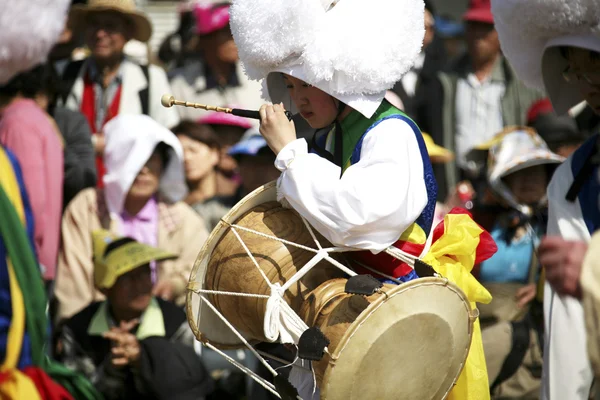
554, 44
370, 184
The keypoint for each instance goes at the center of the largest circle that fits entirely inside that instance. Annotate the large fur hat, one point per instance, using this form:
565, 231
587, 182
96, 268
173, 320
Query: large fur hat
531, 33
29, 30
350, 49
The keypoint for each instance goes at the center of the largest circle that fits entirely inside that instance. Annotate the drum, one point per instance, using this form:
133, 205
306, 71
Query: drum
224, 265
408, 341
405, 341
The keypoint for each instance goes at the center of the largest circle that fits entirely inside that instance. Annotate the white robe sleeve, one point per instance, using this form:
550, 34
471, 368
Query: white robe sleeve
373, 202
567, 372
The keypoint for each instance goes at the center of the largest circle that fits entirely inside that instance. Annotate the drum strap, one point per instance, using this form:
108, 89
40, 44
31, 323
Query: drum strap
520, 344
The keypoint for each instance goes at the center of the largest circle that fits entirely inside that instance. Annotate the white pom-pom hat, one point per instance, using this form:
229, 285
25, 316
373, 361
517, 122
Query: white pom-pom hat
29, 30
349, 50
531, 33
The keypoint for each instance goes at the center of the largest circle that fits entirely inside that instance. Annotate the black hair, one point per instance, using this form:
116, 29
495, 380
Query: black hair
163, 150
40, 79
199, 132
112, 246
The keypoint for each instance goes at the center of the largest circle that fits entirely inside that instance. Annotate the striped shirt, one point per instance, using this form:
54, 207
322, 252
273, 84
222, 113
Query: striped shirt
478, 112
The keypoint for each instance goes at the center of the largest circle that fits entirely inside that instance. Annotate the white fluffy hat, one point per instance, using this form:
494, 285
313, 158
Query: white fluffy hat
350, 49
531, 32
29, 30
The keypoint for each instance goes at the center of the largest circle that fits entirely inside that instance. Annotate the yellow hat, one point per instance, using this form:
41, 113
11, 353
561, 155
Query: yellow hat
437, 154
125, 257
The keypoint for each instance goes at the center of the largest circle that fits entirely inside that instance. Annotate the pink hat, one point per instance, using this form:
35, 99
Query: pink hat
211, 18
221, 118
479, 11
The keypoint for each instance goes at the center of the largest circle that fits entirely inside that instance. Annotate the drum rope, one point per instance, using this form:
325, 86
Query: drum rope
312, 233
257, 378
281, 321
239, 335
239, 294
263, 382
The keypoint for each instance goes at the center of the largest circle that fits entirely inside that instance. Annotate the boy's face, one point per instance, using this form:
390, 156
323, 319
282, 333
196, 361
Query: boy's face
584, 72
317, 107
528, 185
132, 291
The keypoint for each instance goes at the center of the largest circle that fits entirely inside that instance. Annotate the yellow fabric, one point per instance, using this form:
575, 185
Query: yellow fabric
414, 234
453, 256
16, 385
9, 183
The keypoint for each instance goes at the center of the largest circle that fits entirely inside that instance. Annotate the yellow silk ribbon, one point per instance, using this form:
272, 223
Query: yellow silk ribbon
453, 256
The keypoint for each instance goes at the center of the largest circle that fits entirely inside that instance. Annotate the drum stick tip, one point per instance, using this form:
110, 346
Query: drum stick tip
167, 100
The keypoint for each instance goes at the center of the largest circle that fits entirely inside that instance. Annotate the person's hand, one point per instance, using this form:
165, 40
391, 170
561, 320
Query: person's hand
526, 294
99, 143
164, 290
125, 345
275, 127
562, 261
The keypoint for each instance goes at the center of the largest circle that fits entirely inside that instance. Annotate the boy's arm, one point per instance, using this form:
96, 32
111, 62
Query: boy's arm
373, 202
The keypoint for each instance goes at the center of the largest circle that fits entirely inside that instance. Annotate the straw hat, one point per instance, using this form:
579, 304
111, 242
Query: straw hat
142, 28
124, 258
437, 153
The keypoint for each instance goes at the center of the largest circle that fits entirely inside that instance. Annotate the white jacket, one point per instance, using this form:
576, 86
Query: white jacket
134, 81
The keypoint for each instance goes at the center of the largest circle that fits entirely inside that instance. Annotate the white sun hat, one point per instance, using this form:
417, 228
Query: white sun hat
531, 33
351, 51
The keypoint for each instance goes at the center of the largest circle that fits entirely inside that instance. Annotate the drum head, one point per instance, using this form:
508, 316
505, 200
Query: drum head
205, 323
411, 344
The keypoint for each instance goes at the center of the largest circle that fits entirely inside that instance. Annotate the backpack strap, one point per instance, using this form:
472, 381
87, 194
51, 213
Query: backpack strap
145, 93
520, 344
69, 77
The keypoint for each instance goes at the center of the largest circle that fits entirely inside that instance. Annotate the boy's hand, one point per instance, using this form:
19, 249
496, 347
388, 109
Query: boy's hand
275, 127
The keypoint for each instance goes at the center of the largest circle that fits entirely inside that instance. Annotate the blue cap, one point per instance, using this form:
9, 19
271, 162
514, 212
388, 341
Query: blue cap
447, 28
250, 144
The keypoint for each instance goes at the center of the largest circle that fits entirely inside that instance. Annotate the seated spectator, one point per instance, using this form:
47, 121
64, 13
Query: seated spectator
217, 77
201, 151
229, 129
520, 167
256, 162
132, 345
144, 188
31, 134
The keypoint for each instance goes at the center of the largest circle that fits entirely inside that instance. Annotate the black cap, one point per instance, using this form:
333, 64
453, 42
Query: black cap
554, 128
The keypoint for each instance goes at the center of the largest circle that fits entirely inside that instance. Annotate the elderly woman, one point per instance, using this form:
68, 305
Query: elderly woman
142, 199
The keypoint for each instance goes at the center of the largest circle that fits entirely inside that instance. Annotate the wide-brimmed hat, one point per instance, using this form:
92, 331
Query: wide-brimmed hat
351, 52
127, 255
531, 34
512, 150
437, 153
142, 28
